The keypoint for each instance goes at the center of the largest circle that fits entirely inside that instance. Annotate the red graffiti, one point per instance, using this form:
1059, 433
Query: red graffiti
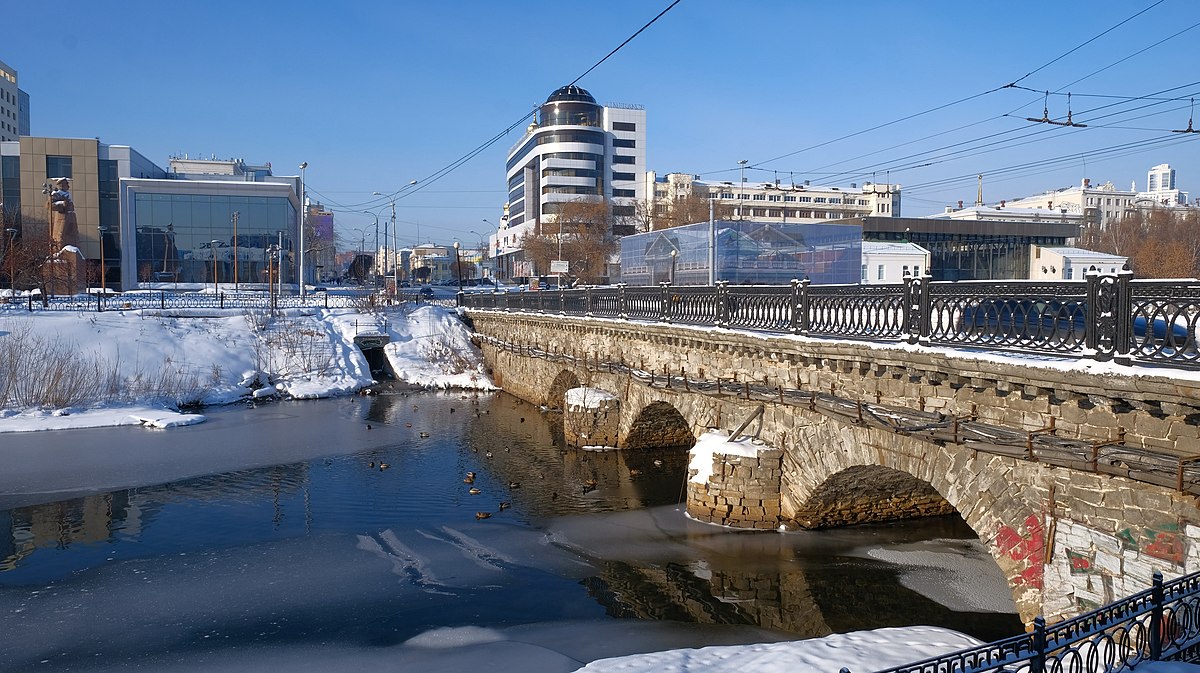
1027, 547
1080, 564
1166, 546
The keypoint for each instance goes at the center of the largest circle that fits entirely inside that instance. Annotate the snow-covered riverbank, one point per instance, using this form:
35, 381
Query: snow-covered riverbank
231, 355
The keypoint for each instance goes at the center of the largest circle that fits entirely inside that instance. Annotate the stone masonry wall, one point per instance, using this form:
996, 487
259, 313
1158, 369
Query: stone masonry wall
743, 491
1064, 538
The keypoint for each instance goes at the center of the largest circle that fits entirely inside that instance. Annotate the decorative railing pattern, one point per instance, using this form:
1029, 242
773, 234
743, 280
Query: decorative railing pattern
1161, 623
196, 300
1103, 317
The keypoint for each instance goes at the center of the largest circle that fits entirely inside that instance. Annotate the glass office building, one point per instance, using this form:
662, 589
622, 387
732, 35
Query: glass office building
743, 252
187, 232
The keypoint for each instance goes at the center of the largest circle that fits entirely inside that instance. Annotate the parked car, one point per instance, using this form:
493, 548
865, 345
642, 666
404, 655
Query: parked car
426, 291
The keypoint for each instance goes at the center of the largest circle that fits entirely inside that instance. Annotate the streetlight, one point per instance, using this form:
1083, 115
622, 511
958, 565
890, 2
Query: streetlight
12, 262
742, 188
303, 221
458, 267
213, 245
374, 261
103, 286
674, 256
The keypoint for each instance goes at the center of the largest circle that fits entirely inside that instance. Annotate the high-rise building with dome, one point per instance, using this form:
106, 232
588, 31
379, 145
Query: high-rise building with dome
576, 149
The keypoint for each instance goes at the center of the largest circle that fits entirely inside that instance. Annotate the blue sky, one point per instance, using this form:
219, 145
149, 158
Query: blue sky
376, 94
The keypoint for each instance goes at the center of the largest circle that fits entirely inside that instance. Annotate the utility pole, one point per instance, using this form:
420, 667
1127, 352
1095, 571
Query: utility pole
395, 250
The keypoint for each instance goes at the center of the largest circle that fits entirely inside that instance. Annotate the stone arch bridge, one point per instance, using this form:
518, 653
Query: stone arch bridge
1080, 482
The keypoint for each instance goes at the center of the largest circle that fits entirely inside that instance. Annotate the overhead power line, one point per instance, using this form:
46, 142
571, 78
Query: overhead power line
422, 183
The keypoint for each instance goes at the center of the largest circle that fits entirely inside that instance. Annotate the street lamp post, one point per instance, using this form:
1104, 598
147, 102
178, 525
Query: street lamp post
674, 256
103, 285
12, 262
303, 222
374, 257
458, 266
742, 188
213, 245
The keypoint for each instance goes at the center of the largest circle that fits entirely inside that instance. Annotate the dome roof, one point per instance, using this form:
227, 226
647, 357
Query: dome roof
571, 93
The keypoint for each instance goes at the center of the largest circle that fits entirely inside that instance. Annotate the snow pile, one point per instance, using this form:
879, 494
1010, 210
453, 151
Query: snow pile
859, 651
588, 398
224, 356
713, 443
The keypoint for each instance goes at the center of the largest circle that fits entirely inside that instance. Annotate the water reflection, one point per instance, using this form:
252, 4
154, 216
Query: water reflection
621, 545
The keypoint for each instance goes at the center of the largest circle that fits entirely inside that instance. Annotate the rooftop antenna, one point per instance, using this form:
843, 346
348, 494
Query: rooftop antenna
1191, 112
979, 196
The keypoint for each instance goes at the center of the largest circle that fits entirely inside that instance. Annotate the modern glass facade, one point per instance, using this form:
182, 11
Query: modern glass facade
745, 252
189, 238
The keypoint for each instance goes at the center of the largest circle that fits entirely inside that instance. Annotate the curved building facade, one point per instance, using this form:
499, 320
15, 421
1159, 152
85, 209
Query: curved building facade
576, 150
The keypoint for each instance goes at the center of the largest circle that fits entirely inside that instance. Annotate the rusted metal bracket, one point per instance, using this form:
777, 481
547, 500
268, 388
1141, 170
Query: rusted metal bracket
1048, 430
757, 413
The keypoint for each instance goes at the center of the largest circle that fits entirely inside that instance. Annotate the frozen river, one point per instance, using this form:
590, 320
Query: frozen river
270, 537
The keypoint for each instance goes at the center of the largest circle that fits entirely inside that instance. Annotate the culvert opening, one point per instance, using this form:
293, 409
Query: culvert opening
372, 349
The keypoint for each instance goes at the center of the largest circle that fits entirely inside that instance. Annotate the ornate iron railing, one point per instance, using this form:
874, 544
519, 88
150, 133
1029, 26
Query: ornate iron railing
1103, 317
1161, 623
195, 300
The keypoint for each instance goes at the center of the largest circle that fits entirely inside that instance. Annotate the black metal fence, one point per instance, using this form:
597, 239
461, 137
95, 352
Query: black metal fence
195, 300
1103, 317
1161, 623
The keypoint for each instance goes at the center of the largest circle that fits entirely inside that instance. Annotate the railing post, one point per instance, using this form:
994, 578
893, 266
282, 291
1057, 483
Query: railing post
664, 301
98, 309
221, 299
1157, 598
803, 308
587, 300
917, 320
1123, 311
722, 303
622, 307
1037, 662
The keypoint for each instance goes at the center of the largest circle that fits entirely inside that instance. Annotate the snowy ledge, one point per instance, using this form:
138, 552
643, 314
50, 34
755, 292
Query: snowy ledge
67, 419
714, 443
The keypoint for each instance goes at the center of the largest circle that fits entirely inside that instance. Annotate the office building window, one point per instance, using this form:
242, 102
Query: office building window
58, 167
628, 193
624, 126
622, 159
623, 176
621, 142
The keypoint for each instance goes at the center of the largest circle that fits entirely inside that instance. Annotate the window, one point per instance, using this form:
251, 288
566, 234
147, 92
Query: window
774, 197
623, 211
820, 199
790, 199
864, 273
760, 197
623, 176
58, 167
916, 270
727, 195
624, 126
622, 159
1069, 272
625, 192
905, 269
621, 142
835, 200
879, 273
805, 199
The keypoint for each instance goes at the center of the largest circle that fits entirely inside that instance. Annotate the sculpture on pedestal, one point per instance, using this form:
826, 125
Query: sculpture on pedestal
64, 265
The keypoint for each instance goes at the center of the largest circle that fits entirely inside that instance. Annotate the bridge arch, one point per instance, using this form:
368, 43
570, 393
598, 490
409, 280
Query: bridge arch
658, 425
867, 494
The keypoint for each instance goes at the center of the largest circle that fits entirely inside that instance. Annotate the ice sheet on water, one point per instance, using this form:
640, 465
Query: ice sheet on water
959, 574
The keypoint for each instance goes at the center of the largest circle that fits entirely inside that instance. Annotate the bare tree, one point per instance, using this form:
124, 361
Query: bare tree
690, 209
581, 230
1159, 243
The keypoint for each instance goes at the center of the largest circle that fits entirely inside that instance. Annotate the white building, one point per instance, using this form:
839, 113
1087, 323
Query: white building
14, 105
891, 261
1161, 189
1056, 262
777, 201
1004, 212
1101, 205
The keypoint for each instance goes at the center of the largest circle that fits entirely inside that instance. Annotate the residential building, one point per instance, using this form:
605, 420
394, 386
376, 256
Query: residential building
14, 105
431, 263
1057, 262
1097, 206
1003, 212
889, 262
575, 150
775, 201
